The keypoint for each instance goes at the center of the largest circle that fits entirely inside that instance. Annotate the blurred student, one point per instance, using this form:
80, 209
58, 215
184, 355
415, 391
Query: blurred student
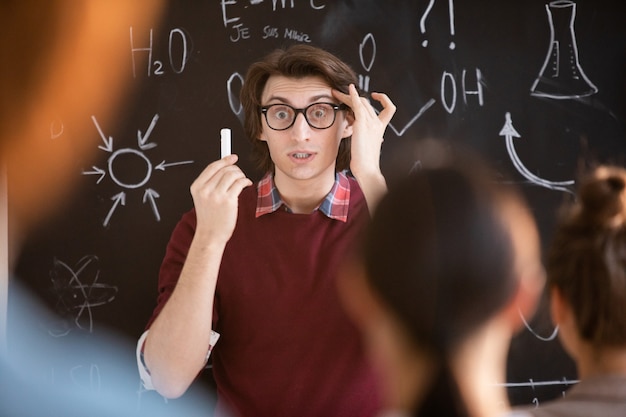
449, 262
62, 61
586, 268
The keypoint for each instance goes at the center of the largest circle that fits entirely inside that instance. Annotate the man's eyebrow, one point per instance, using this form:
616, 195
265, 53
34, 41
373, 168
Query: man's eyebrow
311, 99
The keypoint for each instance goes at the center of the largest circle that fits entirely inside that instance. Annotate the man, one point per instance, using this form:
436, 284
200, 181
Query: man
258, 264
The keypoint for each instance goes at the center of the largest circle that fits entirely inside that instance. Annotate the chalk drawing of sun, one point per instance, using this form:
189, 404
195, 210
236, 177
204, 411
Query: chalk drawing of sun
137, 158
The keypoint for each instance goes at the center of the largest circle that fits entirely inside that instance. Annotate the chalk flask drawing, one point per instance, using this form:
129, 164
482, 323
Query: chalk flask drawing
562, 76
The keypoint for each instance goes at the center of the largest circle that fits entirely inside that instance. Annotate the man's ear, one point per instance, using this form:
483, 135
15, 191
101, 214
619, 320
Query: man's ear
347, 132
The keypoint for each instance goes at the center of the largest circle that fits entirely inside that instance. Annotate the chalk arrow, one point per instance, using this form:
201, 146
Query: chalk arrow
425, 107
509, 132
118, 199
96, 171
142, 140
163, 165
108, 142
150, 195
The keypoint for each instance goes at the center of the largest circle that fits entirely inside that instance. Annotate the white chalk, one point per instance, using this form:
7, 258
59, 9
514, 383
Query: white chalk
225, 142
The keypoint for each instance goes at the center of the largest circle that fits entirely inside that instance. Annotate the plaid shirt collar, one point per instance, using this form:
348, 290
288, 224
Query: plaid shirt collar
335, 204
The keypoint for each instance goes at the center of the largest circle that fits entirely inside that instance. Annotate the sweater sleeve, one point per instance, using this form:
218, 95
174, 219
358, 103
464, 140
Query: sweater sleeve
173, 261
171, 267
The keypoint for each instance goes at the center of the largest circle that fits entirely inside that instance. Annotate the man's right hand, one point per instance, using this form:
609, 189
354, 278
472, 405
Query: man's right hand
215, 196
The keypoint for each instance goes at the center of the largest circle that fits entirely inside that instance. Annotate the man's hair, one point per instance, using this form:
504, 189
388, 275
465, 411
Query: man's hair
297, 61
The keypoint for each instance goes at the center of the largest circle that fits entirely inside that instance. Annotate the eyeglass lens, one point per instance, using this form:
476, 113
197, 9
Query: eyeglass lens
317, 115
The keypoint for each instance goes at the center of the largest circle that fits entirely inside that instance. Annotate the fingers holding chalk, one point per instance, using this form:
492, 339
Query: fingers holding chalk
225, 142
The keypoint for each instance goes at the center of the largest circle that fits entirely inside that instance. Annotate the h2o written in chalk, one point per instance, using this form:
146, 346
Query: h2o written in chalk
176, 50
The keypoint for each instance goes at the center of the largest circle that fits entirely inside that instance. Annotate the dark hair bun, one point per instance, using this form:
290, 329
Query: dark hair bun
602, 195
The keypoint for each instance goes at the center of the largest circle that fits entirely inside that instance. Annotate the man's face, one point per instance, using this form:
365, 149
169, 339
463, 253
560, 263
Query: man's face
302, 154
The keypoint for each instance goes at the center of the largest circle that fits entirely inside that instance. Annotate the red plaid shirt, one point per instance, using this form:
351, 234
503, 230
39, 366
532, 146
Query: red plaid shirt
335, 204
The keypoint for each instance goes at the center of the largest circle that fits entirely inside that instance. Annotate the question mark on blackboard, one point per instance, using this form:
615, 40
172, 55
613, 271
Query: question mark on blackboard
431, 3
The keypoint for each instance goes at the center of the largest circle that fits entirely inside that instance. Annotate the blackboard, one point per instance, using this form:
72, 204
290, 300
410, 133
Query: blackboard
536, 87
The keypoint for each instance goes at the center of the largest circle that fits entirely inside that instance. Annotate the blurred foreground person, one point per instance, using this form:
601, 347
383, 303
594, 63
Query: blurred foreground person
62, 61
449, 262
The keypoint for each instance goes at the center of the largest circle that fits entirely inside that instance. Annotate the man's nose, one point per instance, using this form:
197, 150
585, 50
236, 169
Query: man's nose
300, 129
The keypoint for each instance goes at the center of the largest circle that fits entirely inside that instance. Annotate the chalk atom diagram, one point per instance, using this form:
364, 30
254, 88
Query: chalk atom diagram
142, 162
77, 291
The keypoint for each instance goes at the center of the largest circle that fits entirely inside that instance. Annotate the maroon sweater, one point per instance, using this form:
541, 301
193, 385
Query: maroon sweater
286, 348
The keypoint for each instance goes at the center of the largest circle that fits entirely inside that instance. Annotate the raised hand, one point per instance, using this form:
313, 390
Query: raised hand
368, 129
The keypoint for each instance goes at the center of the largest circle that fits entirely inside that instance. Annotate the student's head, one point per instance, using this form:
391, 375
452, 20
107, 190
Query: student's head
448, 251
296, 62
586, 263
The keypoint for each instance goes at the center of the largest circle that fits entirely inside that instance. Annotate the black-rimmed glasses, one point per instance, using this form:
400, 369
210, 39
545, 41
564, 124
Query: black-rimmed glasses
317, 115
